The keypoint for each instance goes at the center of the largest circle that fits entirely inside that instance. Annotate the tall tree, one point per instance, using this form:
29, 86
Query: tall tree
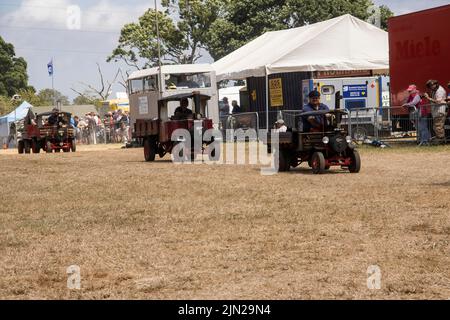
13, 70
138, 43
194, 18
244, 20
48, 96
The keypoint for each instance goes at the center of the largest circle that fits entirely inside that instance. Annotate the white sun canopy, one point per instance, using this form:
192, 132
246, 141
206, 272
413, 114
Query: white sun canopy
342, 43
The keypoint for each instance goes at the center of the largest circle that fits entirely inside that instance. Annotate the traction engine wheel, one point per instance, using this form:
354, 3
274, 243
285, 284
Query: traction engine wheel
355, 164
20, 147
48, 147
149, 149
318, 163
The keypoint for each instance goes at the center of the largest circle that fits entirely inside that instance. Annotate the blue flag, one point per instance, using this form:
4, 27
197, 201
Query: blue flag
50, 68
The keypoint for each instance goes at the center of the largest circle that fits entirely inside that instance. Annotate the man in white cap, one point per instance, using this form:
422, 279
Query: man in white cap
280, 126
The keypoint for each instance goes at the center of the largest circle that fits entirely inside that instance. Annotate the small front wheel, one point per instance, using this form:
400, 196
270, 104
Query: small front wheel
355, 162
318, 163
48, 147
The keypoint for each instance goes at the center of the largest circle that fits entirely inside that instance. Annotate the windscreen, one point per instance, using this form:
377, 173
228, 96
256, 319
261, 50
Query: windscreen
188, 80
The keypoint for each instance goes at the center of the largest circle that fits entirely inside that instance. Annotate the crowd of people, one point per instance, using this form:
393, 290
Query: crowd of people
114, 127
430, 106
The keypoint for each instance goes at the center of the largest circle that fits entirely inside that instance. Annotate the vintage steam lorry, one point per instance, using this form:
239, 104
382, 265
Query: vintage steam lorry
321, 149
156, 93
28, 138
160, 135
56, 136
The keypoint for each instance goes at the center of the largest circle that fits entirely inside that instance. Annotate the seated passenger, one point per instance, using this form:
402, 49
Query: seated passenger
280, 126
314, 123
182, 112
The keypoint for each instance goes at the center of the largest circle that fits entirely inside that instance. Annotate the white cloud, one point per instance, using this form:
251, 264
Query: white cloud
104, 15
31, 12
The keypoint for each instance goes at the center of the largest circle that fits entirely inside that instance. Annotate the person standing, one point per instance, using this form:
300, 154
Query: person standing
418, 112
437, 97
236, 107
224, 108
12, 133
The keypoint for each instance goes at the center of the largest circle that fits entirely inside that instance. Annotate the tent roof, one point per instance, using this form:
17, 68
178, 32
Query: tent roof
18, 114
342, 43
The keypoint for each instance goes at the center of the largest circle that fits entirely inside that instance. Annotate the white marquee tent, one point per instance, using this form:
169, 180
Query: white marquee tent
342, 43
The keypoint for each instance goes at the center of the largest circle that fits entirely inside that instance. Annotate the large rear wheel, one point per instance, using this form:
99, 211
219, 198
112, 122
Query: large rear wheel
149, 149
318, 163
27, 146
35, 146
355, 162
20, 147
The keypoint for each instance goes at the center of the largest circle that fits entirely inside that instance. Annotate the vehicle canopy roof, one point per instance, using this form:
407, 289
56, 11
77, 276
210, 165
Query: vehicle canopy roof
180, 96
43, 114
321, 112
172, 69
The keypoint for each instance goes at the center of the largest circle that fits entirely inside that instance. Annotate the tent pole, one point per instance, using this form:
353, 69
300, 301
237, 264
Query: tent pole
267, 101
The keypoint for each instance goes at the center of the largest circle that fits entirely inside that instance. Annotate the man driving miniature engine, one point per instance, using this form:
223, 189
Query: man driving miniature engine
54, 117
315, 123
182, 112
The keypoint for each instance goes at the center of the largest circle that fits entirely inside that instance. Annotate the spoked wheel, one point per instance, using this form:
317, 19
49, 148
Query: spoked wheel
355, 162
359, 134
318, 163
149, 149
284, 163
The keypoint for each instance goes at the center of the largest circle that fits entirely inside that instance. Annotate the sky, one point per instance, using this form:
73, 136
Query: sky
44, 29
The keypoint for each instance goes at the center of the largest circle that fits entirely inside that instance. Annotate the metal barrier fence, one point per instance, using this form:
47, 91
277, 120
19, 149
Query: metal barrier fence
396, 123
386, 123
244, 121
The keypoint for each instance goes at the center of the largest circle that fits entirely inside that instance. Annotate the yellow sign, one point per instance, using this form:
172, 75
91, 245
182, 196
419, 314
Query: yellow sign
254, 95
276, 92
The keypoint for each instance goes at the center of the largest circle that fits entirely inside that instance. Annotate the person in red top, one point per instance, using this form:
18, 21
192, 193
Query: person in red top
416, 105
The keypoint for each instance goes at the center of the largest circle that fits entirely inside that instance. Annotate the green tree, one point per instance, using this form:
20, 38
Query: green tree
48, 96
245, 20
29, 95
6, 105
180, 41
138, 44
86, 98
13, 70
194, 18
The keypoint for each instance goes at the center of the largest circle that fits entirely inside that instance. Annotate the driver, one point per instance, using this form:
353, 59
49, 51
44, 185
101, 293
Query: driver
182, 112
314, 123
54, 117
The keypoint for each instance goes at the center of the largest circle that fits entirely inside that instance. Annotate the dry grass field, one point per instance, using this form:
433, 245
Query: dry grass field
160, 231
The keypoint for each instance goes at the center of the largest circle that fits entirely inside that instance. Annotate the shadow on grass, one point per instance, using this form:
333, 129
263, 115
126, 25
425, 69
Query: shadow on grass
441, 184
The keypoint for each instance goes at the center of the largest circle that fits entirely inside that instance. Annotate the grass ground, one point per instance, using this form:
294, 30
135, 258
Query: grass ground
159, 231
